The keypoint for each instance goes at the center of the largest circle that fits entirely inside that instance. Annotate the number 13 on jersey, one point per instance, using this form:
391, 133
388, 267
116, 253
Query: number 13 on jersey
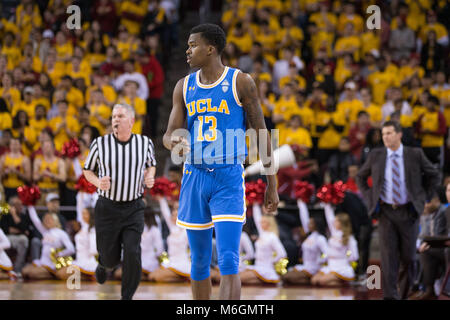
211, 133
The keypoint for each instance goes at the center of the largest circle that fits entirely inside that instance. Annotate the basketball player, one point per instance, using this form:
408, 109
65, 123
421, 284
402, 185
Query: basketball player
215, 100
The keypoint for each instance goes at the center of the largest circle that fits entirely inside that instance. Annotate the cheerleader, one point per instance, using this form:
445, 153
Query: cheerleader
178, 268
86, 248
151, 246
342, 250
314, 248
5, 263
84, 199
53, 237
267, 244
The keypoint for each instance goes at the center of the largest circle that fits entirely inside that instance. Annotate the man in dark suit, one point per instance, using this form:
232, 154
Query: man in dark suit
403, 179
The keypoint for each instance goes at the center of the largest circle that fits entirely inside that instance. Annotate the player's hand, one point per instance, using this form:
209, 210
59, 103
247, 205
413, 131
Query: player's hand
424, 247
180, 144
149, 181
105, 183
271, 200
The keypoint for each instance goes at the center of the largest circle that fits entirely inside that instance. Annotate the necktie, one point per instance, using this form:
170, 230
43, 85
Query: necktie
396, 195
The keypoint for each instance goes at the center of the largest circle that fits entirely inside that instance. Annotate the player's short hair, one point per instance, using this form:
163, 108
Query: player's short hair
126, 107
213, 34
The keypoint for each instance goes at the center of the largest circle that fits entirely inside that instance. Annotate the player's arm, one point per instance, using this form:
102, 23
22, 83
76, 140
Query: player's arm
248, 95
177, 117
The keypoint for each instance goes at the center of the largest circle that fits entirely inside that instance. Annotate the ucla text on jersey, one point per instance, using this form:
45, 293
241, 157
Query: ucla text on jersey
215, 120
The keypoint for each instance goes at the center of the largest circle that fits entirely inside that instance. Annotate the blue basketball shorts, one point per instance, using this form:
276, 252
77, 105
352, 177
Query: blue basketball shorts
211, 195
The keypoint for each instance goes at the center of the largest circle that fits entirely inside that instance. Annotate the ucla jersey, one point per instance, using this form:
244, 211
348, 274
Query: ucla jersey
215, 120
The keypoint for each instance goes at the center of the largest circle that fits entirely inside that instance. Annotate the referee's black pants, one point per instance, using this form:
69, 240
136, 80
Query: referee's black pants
120, 225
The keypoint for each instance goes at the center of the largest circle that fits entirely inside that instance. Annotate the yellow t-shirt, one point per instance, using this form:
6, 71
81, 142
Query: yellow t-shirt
345, 43
330, 138
285, 107
38, 125
13, 55
12, 180
103, 111
138, 9
64, 51
355, 19
53, 167
301, 82
61, 137
75, 97
29, 135
79, 74
15, 96
108, 92
5, 121
29, 108
350, 109
58, 71
299, 136
374, 112
244, 43
369, 42
380, 82
318, 19
430, 121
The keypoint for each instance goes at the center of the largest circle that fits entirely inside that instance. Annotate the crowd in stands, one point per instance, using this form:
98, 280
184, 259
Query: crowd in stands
326, 81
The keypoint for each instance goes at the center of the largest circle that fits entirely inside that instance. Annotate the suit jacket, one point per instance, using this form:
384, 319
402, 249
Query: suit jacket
421, 177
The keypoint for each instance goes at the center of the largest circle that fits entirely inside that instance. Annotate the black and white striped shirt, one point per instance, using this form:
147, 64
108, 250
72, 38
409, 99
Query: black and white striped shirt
124, 162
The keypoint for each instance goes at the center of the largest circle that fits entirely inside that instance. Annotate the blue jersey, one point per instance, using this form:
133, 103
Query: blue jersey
215, 120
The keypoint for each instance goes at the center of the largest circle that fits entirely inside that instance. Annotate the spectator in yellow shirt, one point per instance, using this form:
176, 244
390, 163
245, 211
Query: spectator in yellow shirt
431, 128
27, 104
11, 51
64, 48
438, 28
64, 126
73, 95
100, 113
8, 92
348, 43
289, 34
5, 116
53, 68
285, 106
350, 16
39, 122
381, 80
131, 98
240, 38
74, 71
372, 109
294, 78
351, 105
132, 14
21, 129
295, 133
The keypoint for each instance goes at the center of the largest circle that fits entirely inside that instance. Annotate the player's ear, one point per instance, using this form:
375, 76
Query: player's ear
211, 50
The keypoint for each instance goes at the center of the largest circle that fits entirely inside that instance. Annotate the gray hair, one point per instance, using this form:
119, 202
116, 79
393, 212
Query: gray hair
127, 107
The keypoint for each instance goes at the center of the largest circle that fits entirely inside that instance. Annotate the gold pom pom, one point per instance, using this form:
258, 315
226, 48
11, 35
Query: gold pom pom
281, 266
4, 209
163, 258
354, 264
60, 262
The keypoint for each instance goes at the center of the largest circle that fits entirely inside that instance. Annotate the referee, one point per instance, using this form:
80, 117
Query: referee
124, 162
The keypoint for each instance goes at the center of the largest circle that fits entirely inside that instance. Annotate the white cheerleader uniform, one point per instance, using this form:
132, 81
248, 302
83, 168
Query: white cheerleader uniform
246, 251
5, 262
339, 256
51, 239
265, 246
177, 245
151, 247
86, 245
314, 246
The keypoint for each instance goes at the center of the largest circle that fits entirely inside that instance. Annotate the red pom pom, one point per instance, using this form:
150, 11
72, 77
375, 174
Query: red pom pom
84, 185
71, 149
303, 190
163, 187
332, 193
29, 195
254, 192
